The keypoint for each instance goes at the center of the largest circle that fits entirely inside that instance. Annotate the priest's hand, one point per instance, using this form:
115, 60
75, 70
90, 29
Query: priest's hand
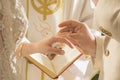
79, 35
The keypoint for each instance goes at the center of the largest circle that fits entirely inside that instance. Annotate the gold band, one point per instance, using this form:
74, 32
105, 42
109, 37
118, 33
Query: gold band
20, 52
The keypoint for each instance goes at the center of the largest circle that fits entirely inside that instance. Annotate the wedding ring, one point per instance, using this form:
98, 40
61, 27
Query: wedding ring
20, 52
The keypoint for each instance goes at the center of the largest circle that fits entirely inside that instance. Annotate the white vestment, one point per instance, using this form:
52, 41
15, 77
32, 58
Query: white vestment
43, 25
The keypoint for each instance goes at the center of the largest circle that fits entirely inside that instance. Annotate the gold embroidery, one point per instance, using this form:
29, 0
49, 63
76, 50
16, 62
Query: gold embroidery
105, 31
62, 11
42, 75
26, 70
27, 9
45, 28
20, 47
44, 10
107, 53
27, 14
44, 7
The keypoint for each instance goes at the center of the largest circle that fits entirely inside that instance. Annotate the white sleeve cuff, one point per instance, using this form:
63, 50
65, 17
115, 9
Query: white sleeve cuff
97, 60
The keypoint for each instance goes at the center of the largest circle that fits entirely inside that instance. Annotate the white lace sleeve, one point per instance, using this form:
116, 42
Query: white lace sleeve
13, 25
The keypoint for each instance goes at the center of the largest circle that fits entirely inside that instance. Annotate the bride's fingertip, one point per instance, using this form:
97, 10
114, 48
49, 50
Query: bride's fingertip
62, 52
60, 25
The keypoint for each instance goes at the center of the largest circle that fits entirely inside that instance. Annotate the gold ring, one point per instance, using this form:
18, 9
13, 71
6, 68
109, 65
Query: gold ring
20, 52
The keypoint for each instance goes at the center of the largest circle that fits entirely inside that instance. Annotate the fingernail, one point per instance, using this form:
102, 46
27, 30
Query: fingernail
62, 52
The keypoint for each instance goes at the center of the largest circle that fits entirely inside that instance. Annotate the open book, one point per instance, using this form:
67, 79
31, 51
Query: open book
59, 64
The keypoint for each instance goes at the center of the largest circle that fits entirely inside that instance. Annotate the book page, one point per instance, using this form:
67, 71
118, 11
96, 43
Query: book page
61, 62
55, 67
42, 60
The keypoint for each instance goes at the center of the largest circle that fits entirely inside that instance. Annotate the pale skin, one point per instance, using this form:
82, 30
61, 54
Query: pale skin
76, 32
43, 46
95, 1
79, 35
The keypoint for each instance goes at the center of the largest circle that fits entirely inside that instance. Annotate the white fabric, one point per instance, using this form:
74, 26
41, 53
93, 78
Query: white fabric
73, 9
13, 25
81, 10
107, 15
107, 19
97, 60
40, 28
